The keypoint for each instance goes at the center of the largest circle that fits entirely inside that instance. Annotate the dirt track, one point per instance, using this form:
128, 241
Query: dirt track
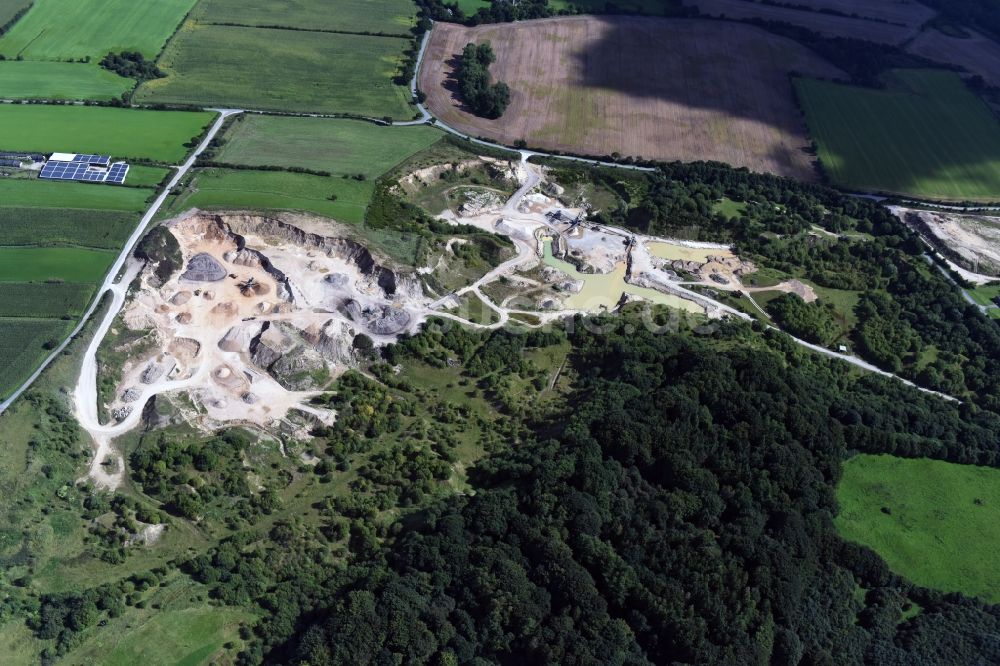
672, 89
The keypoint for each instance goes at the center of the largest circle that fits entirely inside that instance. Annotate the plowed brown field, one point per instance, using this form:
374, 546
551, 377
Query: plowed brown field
670, 89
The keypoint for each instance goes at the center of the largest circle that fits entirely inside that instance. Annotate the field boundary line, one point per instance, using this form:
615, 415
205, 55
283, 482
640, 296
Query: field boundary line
112, 274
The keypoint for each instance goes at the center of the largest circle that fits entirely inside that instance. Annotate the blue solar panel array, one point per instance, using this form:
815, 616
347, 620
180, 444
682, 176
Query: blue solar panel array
86, 168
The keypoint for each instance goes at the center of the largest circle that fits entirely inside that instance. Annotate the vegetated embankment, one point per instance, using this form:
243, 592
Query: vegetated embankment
672, 89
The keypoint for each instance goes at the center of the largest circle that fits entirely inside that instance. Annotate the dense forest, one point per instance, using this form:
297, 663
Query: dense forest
696, 532
483, 97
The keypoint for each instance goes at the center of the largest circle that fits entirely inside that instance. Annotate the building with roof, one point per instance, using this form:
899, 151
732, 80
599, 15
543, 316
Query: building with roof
84, 168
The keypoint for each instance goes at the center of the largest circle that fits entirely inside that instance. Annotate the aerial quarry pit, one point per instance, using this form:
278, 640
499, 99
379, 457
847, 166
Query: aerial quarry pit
264, 311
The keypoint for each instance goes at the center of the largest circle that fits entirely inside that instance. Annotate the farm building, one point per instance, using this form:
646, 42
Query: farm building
85, 168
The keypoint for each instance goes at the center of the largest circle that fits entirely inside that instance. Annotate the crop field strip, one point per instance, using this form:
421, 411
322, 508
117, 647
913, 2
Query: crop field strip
72, 29
44, 300
59, 81
371, 16
281, 70
124, 133
338, 146
24, 193
926, 135
277, 190
667, 89
101, 229
22, 344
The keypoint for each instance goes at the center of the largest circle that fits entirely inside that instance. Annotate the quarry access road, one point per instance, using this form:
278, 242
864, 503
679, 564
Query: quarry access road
109, 280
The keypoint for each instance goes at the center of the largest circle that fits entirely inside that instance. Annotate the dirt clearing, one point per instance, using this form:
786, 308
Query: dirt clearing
670, 89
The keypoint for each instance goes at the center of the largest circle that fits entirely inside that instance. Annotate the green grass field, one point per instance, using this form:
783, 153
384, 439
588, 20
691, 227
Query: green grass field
278, 190
153, 135
21, 348
386, 16
59, 80
281, 70
470, 7
337, 146
106, 229
70, 264
64, 29
44, 300
926, 135
934, 522
651, 7
51, 194
145, 176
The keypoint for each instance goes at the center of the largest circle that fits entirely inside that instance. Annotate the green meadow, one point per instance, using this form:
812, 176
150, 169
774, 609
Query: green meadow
44, 299
338, 146
281, 70
31, 79
71, 29
936, 523
68, 264
278, 190
54, 194
386, 16
925, 135
131, 133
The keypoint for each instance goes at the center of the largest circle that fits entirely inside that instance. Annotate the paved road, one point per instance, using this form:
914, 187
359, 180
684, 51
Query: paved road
109, 284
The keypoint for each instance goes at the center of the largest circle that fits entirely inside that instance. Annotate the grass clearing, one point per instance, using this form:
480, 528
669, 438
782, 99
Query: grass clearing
130, 133
69, 264
71, 29
278, 190
59, 80
936, 523
105, 229
730, 208
22, 347
926, 135
282, 70
337, 146
387, 16
44, 299
985, 294
145, 176
36, 193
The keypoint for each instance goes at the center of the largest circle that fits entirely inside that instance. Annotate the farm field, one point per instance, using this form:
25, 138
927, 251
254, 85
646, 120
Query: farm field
59, 80
278, 190
598, 85
820, 22
135, 133
470, 7
71, 29
140, 175
337, 146
69, 264
22, 346
10, 8
51, 194
934, 522
976, 53
926, 135
44, 300
387, 16
281, 70
105, 229
652, 7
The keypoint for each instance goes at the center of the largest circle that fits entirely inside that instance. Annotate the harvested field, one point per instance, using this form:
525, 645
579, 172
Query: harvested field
976, 54
904, 22
672, 89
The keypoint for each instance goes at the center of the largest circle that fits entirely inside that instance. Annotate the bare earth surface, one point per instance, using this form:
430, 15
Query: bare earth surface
887, 22
975, 238
671, 89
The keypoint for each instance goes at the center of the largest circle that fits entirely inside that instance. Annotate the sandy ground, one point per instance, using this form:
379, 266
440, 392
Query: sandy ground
671, 89
975, 238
